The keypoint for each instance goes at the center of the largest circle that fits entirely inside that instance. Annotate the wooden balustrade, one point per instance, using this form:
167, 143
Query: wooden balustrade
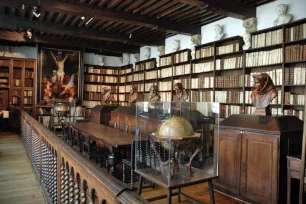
64, 175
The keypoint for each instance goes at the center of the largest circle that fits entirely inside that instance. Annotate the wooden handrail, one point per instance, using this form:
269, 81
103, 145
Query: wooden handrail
66, 176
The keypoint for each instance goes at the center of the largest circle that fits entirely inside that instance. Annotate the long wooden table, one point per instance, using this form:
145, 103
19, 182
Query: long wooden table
106, 136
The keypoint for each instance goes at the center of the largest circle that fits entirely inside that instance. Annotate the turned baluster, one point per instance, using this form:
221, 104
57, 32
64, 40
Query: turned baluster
54, 186
76, 193
62, 183
66, 199
71, 189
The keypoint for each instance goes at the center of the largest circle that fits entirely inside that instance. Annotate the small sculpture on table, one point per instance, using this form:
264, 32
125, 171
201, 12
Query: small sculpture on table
134, 95
108, 98
154, 96
263, 93
181, 94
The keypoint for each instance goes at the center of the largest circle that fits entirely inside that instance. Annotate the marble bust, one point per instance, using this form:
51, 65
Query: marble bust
134, 95
108, 98
180, 93
125, 58
154, 96
282, 16
250, 25
263, 93
247, 41
147, 53
101, 62
137, 57
195, 40
161, 51
176, 45
218, 32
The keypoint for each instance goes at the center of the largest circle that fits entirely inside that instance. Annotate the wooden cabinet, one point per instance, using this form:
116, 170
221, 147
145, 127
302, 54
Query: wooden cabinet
252, 156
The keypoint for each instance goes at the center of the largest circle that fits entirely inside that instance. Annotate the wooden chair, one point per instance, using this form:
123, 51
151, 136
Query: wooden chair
90, 150
67, 134
112, 124
124, 127
76, 140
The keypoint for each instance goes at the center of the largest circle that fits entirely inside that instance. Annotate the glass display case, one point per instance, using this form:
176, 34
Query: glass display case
175, 143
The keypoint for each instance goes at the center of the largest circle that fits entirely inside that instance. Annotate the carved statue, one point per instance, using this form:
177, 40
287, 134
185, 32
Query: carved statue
282, 16
101, 63
250, 25
180, 93
137, 57
147, 53
161, 51
134, 95
263, 93
154, 96
177, 45
195, 40
247, 41
108, 98
125, 58
218, 32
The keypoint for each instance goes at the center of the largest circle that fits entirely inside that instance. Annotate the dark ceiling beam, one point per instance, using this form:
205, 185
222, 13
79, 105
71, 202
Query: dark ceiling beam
230, 8
79, 9
14, 23
19, 37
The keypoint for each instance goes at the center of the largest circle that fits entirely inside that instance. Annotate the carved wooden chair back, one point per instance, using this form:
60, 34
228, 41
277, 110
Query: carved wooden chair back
124, 127
112, 124
86, 145
76, 141
67, 135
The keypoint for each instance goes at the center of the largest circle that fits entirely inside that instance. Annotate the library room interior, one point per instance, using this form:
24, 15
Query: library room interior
152, 101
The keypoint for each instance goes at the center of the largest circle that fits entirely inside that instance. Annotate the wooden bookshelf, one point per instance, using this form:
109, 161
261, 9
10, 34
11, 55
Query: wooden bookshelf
125, 82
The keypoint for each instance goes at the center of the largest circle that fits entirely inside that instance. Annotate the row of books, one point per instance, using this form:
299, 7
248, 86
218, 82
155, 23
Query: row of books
229, 63
27, 100
229, 96
3, 81
267, 39
17, 82
4, 74
181, 57
295, 76
121, 97
28, 93
181, 70
228, 110
296, 32
227, 48
185, 82
101, 71
125, 71
97, 88
202, 82
294, 99
129, 78
165, 85
203, 67
163, 73
164, 61
295, 53
140, 87
204, 52
92, 78
165, 96
151, 75
229, 81
122, 89
29, 73
203, 96
297, 113
145, 65
138, 77
276, 76
122, 79
15, 100
264, 57
148, 86
17, 73
28, 82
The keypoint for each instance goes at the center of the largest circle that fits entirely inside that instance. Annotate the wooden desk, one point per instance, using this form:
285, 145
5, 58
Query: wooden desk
106, 136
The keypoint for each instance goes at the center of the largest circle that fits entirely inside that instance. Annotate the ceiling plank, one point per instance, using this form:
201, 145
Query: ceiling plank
225, 7
79, 9
170, 10
15, 23
121, 48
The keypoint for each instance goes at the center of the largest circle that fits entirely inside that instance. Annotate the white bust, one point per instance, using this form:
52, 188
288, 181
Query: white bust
177, 45
147, 53
250, 25
218, 32
282, 16
195, 40
247, 41
137, 57
161, 51
125, 58
101, 62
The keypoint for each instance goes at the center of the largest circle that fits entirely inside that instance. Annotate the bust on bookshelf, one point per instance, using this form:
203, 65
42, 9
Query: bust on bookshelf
154, 96
219, 34
283, 17
134, 95
263, 93
147, 52
180, 93
108, 98
195, 41
125, 58
176, 45
161, 51
247, 41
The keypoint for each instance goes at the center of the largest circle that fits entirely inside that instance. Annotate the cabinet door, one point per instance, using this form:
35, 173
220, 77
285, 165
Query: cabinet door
259, 166
229, 161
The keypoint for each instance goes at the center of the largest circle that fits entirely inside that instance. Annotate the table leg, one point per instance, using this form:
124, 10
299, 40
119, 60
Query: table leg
169, 196
179, 195
140, 185
112, 162
288, 187
211, 192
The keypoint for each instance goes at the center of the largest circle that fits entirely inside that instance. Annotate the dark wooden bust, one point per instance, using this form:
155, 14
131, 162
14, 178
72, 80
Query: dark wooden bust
134, 96
108, 98
154, 96
180, 93
263, 93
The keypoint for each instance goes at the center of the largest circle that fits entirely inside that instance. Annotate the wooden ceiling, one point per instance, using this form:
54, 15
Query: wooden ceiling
117, 25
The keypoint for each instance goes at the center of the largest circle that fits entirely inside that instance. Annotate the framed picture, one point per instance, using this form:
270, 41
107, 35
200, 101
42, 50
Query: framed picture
59, 74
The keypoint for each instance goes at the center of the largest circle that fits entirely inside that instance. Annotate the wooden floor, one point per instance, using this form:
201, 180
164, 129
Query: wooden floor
17, 180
